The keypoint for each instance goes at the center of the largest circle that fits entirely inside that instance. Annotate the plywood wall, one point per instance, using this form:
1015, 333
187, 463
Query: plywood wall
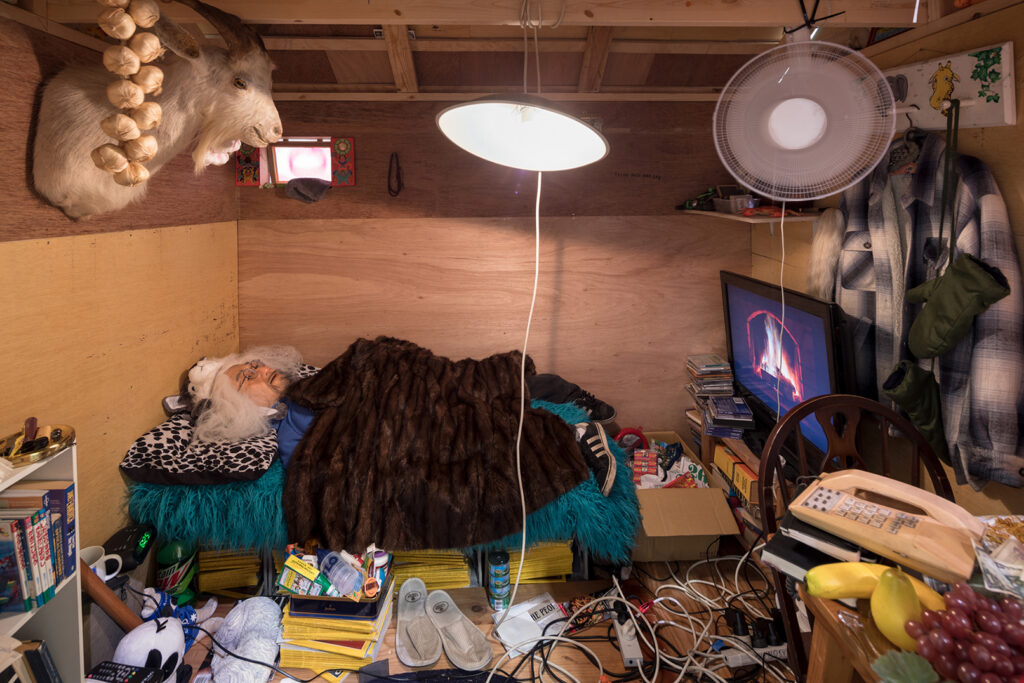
621, 301
998, 147
661, 154
102, 316
99, 328
175, 195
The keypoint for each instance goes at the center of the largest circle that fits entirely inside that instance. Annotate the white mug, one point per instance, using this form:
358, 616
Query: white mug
99, 563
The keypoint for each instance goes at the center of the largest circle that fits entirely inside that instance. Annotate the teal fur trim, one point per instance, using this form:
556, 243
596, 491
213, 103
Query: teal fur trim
236, 515
604, 527
243, 515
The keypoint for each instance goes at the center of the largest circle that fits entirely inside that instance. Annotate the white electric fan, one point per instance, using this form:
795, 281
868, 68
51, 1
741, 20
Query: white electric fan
804, 121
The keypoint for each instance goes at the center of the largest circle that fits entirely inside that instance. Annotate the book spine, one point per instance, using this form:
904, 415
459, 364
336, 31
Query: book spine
36, 666
24, 604
41, 662
39, 581
25, 563
66, 499
56, 546
39, 523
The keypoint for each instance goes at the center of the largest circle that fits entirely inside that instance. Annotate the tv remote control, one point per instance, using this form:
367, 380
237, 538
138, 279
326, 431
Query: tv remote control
112, 672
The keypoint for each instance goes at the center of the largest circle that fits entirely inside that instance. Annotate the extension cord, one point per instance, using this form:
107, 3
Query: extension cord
629, 647
735, 657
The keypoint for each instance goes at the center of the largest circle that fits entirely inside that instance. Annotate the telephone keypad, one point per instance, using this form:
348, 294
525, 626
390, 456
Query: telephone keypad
872, 515
823, 499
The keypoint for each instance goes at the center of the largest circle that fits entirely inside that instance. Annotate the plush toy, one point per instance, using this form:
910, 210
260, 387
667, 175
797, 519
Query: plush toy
251, 629
156, 644
157, 604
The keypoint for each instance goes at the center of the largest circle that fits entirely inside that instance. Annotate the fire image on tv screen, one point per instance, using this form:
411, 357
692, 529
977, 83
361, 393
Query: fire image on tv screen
780, 361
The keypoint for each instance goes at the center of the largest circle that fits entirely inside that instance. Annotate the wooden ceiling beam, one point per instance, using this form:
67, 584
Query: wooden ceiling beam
667, 47
856, 13
299, 92
396, 38
595, 57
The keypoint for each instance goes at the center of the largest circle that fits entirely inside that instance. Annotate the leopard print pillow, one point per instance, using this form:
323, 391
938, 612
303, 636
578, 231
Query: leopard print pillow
166, 455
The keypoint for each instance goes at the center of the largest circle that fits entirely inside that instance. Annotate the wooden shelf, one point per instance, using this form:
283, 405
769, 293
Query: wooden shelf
754, 219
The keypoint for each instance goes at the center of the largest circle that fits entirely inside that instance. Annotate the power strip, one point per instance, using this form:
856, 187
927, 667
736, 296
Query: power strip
629, 646
734, 657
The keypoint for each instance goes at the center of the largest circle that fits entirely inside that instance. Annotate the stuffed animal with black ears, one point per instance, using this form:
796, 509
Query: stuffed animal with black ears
157, 644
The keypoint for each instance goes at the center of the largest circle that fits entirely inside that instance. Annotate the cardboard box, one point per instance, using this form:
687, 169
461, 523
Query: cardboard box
679, 524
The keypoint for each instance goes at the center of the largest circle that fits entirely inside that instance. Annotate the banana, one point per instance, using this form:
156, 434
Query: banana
858, 580
893, 603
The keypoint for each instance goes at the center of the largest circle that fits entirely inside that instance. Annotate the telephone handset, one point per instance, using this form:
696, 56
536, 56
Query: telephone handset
908, 525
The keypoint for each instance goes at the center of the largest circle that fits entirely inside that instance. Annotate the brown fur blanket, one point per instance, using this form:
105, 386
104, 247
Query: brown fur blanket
410, 450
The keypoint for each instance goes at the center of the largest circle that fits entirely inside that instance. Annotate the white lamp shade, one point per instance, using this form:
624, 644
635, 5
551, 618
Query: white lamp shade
522, 131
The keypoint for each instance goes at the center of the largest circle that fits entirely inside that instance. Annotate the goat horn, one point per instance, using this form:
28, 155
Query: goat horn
240, 38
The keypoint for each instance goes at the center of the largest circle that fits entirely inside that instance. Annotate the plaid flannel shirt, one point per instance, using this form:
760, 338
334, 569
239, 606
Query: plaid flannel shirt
892, 243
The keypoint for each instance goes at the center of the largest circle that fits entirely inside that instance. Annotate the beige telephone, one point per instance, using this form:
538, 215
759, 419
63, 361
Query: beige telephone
906, 524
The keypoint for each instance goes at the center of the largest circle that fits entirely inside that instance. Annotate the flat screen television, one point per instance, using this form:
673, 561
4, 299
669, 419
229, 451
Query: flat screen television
782, 356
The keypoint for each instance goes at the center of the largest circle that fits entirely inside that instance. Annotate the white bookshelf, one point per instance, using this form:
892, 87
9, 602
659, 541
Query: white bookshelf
59, 621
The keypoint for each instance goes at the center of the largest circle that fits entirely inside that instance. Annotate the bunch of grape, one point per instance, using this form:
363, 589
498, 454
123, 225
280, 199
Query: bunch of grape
974, 640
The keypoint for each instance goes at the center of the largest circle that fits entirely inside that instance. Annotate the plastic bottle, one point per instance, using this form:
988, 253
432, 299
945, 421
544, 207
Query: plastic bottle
342, 576
177, 571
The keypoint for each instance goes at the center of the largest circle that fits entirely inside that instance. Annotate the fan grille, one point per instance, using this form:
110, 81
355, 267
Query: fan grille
850, 89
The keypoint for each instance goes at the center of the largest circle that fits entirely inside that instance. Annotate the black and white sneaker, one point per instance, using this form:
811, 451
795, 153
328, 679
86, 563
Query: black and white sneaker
599, 457
598, 410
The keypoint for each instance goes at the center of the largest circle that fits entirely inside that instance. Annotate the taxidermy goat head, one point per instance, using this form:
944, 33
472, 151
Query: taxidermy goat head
210, 95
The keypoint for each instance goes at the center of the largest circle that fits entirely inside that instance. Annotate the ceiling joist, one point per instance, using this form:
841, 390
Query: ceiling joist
855, 13
546, 46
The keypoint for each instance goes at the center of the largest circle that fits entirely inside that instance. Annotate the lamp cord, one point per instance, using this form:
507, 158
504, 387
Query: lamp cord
522, 407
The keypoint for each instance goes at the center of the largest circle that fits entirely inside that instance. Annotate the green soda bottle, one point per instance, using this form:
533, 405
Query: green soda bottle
177, 571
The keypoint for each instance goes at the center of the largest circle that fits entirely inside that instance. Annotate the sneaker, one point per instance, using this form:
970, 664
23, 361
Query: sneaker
598, 410
594, 445
548, 387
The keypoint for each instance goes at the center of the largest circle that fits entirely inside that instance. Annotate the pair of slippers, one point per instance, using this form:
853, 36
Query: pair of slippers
428, 623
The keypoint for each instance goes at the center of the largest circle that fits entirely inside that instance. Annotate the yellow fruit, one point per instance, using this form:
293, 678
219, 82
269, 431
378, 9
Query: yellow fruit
858, 580
893, 603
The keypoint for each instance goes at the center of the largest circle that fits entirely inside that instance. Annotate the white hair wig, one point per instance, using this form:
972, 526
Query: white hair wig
232, 416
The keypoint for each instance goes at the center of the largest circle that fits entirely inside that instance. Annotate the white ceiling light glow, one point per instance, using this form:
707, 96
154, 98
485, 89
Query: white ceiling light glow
522, 131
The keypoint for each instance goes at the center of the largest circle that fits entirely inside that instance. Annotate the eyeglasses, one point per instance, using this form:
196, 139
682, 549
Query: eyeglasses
248, 371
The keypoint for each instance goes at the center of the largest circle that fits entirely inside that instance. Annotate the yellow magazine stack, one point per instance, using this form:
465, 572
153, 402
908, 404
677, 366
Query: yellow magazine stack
220, 569
439, 569
545, 562
322, 643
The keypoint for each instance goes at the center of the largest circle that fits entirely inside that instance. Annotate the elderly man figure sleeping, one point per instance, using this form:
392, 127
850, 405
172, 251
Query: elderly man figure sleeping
393, 445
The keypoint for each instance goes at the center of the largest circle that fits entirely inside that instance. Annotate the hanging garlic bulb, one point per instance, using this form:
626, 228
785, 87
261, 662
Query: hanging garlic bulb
110, 158
146, 45
144, 12
141, 149
133, 174
121, 60
120, 127
115, 3
116, 23
147, 115
150, 78
125, 94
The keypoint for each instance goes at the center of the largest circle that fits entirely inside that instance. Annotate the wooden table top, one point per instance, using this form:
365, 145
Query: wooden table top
473, 603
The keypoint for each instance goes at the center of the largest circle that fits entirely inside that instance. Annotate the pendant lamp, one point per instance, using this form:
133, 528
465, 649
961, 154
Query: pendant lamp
522, 131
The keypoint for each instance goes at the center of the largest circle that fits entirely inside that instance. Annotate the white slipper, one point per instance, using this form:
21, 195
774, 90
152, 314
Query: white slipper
465, 645
417, 642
